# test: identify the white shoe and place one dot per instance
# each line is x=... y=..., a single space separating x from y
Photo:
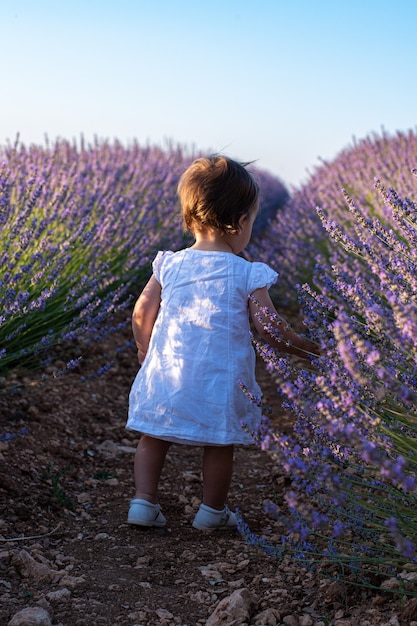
x=144 y=513
x=208 y=518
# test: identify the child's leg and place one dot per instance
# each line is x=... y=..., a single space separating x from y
x=217 y=474
x=149 y=461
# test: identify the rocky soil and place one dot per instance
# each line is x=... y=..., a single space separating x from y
x=68 y=557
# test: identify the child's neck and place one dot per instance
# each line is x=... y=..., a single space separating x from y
x=212 y=241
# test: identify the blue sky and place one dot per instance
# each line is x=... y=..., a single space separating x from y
x=286 y=83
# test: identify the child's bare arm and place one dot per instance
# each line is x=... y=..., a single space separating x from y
x=144 y=315
x=291 y=342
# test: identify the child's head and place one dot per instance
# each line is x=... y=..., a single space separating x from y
x=215 y=192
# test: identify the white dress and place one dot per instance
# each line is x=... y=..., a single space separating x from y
x=188 y=387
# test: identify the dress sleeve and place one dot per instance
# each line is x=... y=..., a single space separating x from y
x=158 y=261
x=261 y=275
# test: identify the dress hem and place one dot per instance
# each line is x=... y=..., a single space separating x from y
x=192 y=442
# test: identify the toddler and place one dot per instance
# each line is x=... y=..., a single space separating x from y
x=192 y=331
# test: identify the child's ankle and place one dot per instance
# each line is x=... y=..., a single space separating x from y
x=147 y=497
x=213 y=508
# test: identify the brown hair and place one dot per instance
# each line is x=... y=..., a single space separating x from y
x=215 y=192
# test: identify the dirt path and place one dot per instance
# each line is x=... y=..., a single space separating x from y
x=64 y=490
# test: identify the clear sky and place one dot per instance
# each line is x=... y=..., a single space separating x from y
x=286 y=82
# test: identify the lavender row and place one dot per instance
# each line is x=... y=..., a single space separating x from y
x=78 y=230
x=353 y=457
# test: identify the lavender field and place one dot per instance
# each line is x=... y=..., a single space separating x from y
x=79 y=227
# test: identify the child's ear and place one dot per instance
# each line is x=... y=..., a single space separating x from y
x=242 y=220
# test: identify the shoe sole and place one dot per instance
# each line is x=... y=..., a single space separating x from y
x=146 y=524
x=213 y=528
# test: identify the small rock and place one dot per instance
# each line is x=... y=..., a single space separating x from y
x=141 y=617
x=71 y=581
x=390 y=583
x=111 y=449
x=61 y=595
x=209 y=572
x=409 y=612
x=31 y=569
x=202 y=597
x=84 y=497
x=269 y=617
x=335 y=592
x=164 y=614
x=233 y=610
x=32 y=616
x=101 y=536
x=411 y=577
x=191 y=477
x=143 y=561
x=188 y=555
x=236 y=583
